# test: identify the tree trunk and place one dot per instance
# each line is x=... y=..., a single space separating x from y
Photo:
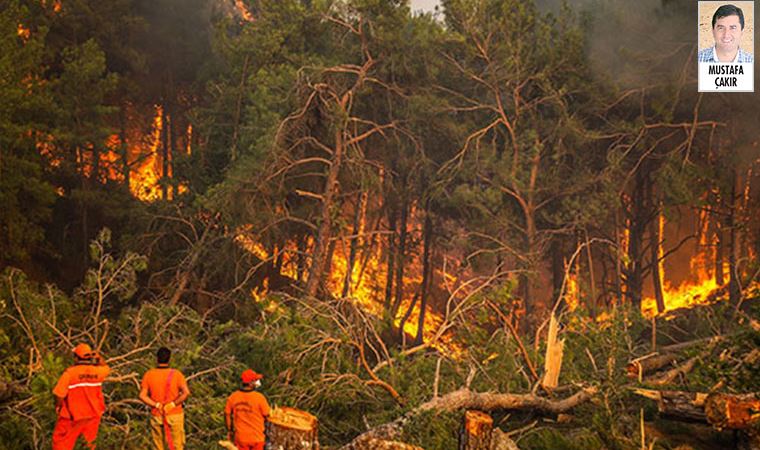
x=360 y=201
x=95 y=173
x=279 y=260
x=401 y=258
x=591 y=279
x=558 y=267
x=164 y=153
x=170 y=132
x=719 y=245
x=427 y=274
x=290 y=428
x=656 y=252
x=476 y=432
x=618 y=258
x=733 y=281
x=649 y=364
x=405 y=318
x=123 y=148
x=390 y=265
x=316 y=271
x=85 y=185
x=329 y=258
x=635 y=271
x=238 y=109
x=302 y=245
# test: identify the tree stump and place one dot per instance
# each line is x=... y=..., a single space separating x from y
x=291 y=429
x=380 y=444
x=477 y=430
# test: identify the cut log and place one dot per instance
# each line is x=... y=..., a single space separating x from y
x=476 y=431
x=679 y=404
x=735 y=412
x=290 y=428
x=669 y=376
x=489 y=401
x=650 y=363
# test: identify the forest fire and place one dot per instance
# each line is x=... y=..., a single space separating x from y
x=143 y=157
x=366 y=286
x=686 y=295
x=701 y=287
x=144 y=184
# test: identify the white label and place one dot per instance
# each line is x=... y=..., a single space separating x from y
x=726 y=77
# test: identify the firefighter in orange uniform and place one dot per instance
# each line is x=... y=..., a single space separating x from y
x=245 y=413
x=165 y=389
x=79 y=399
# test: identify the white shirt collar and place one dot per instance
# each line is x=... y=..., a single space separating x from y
x=715 y=55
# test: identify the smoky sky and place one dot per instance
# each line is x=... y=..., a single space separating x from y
x=648 y=43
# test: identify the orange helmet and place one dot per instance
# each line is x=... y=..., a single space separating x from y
x=83 y=351
x=249 y=376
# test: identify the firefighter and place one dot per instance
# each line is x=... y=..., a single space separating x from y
x=165 y=389
x=79 y=401
x=245 y=413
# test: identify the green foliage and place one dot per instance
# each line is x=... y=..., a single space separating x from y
x=433 y=430
x=25 y=195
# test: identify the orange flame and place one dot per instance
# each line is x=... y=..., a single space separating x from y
x=23 y=32
x=701 y=288
x=245 y=13
x=572 y=293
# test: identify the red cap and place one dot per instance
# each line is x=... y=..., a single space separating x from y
x=249 y=376
x=83 y=351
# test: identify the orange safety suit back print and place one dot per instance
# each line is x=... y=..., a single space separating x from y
x=81 y=387
x=248 y=409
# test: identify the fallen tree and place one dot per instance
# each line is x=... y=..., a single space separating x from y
x=739 y=412
x=464 y=398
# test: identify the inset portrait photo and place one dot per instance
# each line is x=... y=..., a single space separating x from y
x=726 y=46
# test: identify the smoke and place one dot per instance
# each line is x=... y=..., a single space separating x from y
x=637 y=43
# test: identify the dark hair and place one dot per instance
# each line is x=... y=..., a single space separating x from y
x=163 y=354
x=728 y=10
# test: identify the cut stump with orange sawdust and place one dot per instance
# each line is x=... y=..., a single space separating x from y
x=290 y=428
x=476 y=431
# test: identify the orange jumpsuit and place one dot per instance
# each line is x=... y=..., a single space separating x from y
x=80 y=387
x=248 y=410
x=154 y=381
